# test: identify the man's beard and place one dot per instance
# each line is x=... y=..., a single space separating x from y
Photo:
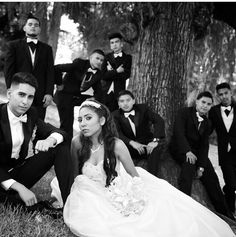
x=32 y=35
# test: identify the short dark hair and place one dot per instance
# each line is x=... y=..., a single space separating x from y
x=205 y=94
x=99 y=51
x=223 y=85
x=115 y=35
x=31 y=16
x=125 y=92
x=24 y=78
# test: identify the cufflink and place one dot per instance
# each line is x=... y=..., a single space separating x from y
x=155 y=139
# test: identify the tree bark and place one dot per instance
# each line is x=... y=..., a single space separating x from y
x=41 y=13
x=160 y=62
x=55 y=26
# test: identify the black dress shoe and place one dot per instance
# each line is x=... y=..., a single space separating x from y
x=49 y=209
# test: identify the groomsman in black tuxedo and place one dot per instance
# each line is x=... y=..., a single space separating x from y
x=117 y=70
x=81 y=81
x=223 y=118
x=29 y=147
x=189 y=146
x=31 y=55
x=134 y=123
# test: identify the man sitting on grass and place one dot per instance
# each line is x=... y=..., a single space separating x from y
x=29 y=147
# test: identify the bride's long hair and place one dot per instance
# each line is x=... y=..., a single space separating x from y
x=107 y=137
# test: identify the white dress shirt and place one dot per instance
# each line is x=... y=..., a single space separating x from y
x=32 y=54
x=17 y=140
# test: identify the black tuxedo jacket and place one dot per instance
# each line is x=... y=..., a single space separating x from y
x=42 y=132
x=75 y=73
x=223 y=137
x=187 y=137
x=119 y=79
x=144 y=118
x=18 y=59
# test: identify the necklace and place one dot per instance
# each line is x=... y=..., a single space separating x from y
x=95 y=150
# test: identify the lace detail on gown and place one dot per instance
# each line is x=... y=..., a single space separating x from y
x=95 y=172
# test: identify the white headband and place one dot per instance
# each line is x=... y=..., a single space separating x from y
x=90 y=103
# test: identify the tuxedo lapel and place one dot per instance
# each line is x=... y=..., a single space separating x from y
x=39 y=49
x=234 y=119
x=26 y=51
x=27 y=129
x=127 y=125
x=37 y=52
x=219 y=116
x=194 y=118
x=6 y=129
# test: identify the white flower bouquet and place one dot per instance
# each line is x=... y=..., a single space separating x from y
x=128 y=199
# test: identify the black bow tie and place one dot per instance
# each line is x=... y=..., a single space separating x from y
x=32 y=46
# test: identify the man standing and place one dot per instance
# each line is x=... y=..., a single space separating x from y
x=31 y=55
x=134 y=123
x=82 y=81
x=223 y=118
x=189 y=146
x=29 y=147
x=117 y=70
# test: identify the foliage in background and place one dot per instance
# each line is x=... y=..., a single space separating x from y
x=213 y=59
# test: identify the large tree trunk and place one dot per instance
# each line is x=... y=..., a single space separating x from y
x=160 y=63
x=41 y=13
x=55 y=26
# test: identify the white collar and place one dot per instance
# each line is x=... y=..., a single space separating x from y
x=120 y=54
x=132 y=112
x=14 y=119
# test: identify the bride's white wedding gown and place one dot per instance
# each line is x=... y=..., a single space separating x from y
x=156 y=210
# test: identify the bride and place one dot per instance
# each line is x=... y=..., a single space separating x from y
x=112 y=198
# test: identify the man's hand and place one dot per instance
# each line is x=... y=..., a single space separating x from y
x=200 y=171
x=109 y=67
x=44 y=145
x=47 y=99
x=120 y=69
x=138 y=146
x=26 y=195
x=150 y=146
x=191 y=158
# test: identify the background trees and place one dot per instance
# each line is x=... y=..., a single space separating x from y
x=178 y=48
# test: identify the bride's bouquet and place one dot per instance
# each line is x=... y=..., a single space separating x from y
x=128 y=199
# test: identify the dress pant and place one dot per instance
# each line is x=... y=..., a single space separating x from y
x=229 y=175
x=34 y=168
x=209 y=179
x=153 y=159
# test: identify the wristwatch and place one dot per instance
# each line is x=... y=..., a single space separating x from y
x=201 y=169
x=155 y=139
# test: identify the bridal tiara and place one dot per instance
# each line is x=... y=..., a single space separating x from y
x=90 y=103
